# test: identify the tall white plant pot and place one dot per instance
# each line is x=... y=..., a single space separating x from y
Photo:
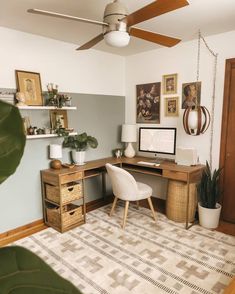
x=78 y=157
x=208 y=217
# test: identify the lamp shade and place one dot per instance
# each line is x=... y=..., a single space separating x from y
x=129 y=133
x=117 y=38
x=55 y=151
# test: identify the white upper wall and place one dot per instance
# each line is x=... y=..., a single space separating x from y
x=89 y=71
x=149 y=67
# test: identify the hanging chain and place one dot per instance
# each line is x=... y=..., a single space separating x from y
x=200 y=37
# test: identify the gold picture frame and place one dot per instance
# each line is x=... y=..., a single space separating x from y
x=29 y=83
x=170 y=84
x=59 y=119
x=172 y=106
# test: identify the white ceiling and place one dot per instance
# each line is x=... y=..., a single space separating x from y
x=211 y=16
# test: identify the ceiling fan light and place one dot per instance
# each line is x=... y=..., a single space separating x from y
x=117 y=38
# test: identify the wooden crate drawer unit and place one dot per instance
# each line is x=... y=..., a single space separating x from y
x=68 y=193
x=71 y=177
x=175 y=175
x=71 y=215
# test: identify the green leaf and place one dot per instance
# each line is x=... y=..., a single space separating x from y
x=12 y=139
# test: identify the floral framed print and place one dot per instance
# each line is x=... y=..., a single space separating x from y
x=148 y=103
x=172 y=106
x=29 y=83
x=170 y=84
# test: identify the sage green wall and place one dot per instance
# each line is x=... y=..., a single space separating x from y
x=98 y=115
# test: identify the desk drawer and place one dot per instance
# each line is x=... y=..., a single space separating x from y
x=71 y=177
x=175 y=175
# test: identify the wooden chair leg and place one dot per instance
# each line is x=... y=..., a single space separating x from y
x=138 y=204
x=125 y=214
x=152 y=209
x=113 y=206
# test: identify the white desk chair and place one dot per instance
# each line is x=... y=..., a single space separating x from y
x=126 y=188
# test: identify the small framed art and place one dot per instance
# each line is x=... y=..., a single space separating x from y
x=191 y=94
x=29 y=83
x=172 y=106
x=169 y=84
x=59 y=119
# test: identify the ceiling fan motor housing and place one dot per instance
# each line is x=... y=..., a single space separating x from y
x=112 y=14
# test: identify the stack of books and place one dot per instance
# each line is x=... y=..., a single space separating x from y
x=7 y=97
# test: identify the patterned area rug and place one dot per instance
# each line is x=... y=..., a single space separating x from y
x=146 y=258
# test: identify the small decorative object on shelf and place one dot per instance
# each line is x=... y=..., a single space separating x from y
x=56 y=99
x=20 y=97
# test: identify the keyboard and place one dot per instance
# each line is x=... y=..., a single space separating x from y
x=148 y=163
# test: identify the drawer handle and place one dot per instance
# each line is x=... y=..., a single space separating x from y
x=71 y=189
x=71 y=213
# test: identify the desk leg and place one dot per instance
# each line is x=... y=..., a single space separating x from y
x=104 y=184
x=187 y=206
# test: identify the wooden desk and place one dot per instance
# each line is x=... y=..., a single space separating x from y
x=167 y=169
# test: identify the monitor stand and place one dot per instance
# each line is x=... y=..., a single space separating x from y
x=158 y=160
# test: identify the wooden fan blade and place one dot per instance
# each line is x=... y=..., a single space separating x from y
x=65 y=16
x=152 y=10
x=153 y=37
x=91 y=43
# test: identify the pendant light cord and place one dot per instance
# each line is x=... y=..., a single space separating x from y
x=215 y=55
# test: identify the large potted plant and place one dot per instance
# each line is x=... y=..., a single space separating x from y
x=79 y=144
x=208 y=193
x=12 y=139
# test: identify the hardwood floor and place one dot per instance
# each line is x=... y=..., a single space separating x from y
x=160 y=205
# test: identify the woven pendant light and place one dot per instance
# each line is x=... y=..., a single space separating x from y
x=196 y=119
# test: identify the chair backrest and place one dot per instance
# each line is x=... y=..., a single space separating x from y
x=123 y=183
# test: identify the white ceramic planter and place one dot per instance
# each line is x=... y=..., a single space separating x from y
x=208 y=217
x=78 y=157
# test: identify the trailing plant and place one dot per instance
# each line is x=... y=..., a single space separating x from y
x=12 y=139
x=80 y=142
x=208 y=189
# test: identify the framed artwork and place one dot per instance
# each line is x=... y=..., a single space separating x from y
x=29 y=83
x=148 y=103
x=170 y=84
x=172 y=106
x=191 y=94
x=58 y=119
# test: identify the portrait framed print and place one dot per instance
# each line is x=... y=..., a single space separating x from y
x=172 y=106
x=148 y=103
x=59 y=119
x=29 y=83
x=169 y=84
x=191 y=94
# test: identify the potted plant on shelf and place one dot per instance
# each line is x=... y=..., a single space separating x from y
x=79 y=144
x=208 y=193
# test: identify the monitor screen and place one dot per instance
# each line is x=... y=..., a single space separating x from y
x=157 y=140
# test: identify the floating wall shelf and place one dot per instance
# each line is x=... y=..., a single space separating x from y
x=43 y=136
x=46 y=107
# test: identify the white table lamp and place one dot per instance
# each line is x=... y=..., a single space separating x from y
x=55 y=154
x=129 y=136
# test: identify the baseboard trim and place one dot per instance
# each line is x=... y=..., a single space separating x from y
x=21 y=232
x=39 y=225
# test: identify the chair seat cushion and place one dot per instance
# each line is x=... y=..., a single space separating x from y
x=144 y=191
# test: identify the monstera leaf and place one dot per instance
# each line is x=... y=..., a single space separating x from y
x=12 y=139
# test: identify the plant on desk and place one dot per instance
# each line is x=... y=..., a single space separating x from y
x=79 y=144
x=208 y=193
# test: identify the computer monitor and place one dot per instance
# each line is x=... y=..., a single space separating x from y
x=157 y=140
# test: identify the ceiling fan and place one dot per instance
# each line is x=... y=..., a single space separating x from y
x=118 y=25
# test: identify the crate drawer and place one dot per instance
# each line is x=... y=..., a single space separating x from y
x=71 y=215
x=71 y=177
x=175 y=175
x=68 y=192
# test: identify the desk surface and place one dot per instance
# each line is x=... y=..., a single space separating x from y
x=165 y=166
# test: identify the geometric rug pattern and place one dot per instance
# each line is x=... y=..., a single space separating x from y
x=146 y=258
